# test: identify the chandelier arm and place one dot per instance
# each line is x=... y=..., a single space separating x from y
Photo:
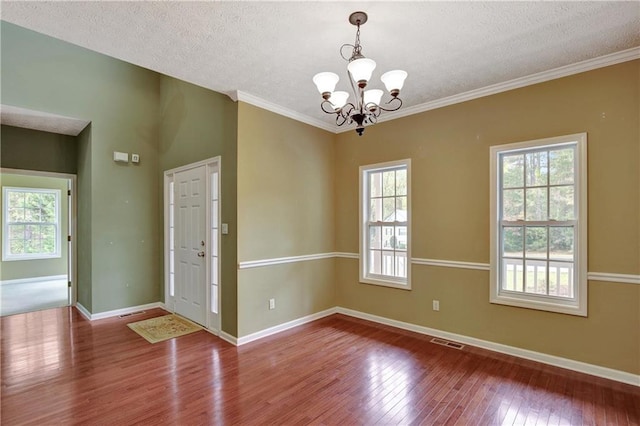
x=344 y=114
x=342 y=50
x=392 y=108
x=322 y=107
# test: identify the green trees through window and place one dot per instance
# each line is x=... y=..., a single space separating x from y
x=31 y=223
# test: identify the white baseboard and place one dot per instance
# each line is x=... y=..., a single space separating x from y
x=569 y=364
x=83 y=311
x=284 y=326
x=109 y=314
x=34 y=279
x=229 y=338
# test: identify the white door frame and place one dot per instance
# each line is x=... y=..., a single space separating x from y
x=213 y=321
x=72 y=269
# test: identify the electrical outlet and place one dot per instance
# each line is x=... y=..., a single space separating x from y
x=272 y=304
x=436 y=305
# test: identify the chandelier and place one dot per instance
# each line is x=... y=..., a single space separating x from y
x=367 y=105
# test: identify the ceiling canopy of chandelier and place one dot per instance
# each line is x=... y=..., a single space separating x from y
x=367 y=105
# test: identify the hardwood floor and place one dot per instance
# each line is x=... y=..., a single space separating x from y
x=58 y=368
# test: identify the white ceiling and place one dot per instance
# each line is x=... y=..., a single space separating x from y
x=269 y=51
x=37 y=120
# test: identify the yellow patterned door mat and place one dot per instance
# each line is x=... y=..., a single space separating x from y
x=167 y=327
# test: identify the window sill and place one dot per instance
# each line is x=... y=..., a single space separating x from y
x=386 y=283
x=548 y=306
x=34 y=257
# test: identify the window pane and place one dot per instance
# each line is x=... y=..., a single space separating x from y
x=375 y=214
x=512 y=275
x=536 y=242
x=375 y=184
x=375 y=237
x=214 y=299
x=401 y=264
x=389 y=209
x=561 y=164
x=561 y=279
x=214 y=186
x=16 y=199
x=401 y=182
x=512 y=241
x=512 y=171
x=16 y=214
x=387 y=237
x=387 y=263
x=561 y=243
x=536 y=277
x=513 y=204
x=537 y=168
x=389 y=183
x=375 y=262
x=48 y=233
x=214 y=242
x=16 y=246
x=536 y=204
x=400 y=238
x=561 y=204
x=16 y=232
x=214 y=212
x=401 y=209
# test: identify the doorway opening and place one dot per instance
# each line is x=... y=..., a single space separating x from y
x=38 y=241
x=192 y=205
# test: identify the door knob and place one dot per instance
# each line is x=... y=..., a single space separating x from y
x=201 y=254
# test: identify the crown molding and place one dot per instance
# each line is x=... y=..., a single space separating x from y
x=541 y=77
x=517 y=83
x=270 y=106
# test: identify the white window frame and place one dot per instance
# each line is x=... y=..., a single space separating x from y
x=365 y=277
x=573 y=306
x=6 y=255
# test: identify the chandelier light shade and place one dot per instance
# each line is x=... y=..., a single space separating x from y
x=339 y=99
x=366 y=107
x=326 y=82
x=361 y=70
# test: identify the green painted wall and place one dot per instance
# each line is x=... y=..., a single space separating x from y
x=18 y=269
x=122 y=102
x=197 y=124
x=449 y=149
x=28 y=149
x=83 y=206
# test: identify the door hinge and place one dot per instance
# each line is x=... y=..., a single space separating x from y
x=69 y=284
x=68 y=237
x=68 y=192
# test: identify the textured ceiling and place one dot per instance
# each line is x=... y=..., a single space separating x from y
x=271 y=50
x=28 y=119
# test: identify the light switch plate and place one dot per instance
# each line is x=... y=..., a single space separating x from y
x=135 y=158
x=225 y=228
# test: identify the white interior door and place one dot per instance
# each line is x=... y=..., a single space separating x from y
x=190 y=244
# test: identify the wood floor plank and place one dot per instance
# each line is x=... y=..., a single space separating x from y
x=59 y=368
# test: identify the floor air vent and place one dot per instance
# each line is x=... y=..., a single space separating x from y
x=447 y=343
x=132 y=313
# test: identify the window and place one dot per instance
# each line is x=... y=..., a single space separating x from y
x=31 y=223
x=539 y=224
x=385 y=231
